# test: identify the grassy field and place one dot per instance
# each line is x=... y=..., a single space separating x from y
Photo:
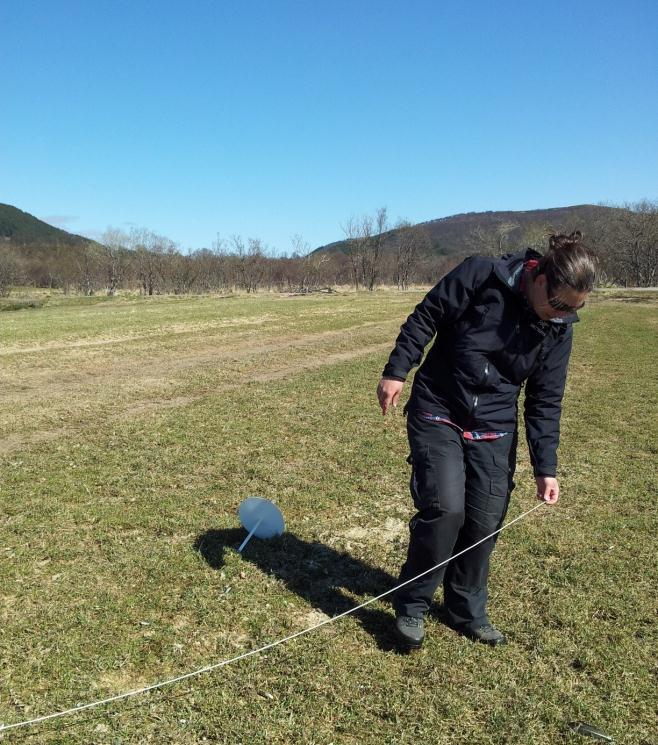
x=132 y=428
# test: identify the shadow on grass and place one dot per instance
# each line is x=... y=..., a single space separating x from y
x=315 y=572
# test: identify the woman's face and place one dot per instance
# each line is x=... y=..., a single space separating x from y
x=549 y=303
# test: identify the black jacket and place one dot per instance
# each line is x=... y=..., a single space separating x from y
x=488 y=343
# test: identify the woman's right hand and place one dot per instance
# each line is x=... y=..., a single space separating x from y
x=388 y=393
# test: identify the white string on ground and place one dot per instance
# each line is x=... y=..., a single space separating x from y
x=271 y=645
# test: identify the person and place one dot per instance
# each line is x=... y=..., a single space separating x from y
x=500 y=324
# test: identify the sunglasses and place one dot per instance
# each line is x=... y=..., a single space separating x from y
x=558 y=305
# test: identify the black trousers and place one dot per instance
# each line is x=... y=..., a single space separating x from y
x=461 y=489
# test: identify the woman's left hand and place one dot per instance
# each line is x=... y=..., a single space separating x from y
x=548 y=489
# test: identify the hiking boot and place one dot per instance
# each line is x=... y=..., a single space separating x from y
x=487 y=634
x=410 y=631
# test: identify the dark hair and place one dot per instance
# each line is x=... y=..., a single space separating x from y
x=568 y=262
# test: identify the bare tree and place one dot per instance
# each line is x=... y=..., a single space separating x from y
x=491 y=241
x=298 y=267
x=365 y=239
x=626 y=241
x=114 y=244
x=182 y=271
x=144 y=266
x=534 y=236
x=636 y=238
x=10 y=270
x=250 y=262
x=211 y=266
x=353 y=249
x=320 y=263
x=57 y=271
x=88 y=268
x=373 y=232
x=149 y=250
x=306 y=270
x=412 y=243
x=223 y=265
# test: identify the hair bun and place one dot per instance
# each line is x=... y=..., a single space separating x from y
x=568 y=262
x=561 y=241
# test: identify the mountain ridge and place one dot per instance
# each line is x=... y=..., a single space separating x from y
x=20 y=228
x=448 y=235
x=454 y=234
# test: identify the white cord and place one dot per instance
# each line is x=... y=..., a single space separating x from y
x=207 y=669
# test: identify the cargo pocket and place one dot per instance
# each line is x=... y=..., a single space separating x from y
x=501 y=482
x=500 y=487
x=423 y=484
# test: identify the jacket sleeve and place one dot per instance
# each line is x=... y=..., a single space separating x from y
x=442 y=305
x=543 y=406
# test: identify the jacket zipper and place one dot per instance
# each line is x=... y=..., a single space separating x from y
x=475 y=397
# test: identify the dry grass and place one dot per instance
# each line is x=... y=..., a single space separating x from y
x=118 y=564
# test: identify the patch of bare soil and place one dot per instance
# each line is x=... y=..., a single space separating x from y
x=392 y=528
x=16 y=442
x=118 y=681
x=312 y=618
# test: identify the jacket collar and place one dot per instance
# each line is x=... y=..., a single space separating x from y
x=509 y=269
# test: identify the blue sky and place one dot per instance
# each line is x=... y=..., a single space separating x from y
x=269 y=119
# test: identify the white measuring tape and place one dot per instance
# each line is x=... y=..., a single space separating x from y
x=244 y=655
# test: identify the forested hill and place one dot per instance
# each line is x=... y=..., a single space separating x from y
x=471 y=231
x=19 y=229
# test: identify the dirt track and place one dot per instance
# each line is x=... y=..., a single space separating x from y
x=48 y=391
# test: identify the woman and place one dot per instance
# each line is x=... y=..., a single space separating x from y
x=499 y=323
